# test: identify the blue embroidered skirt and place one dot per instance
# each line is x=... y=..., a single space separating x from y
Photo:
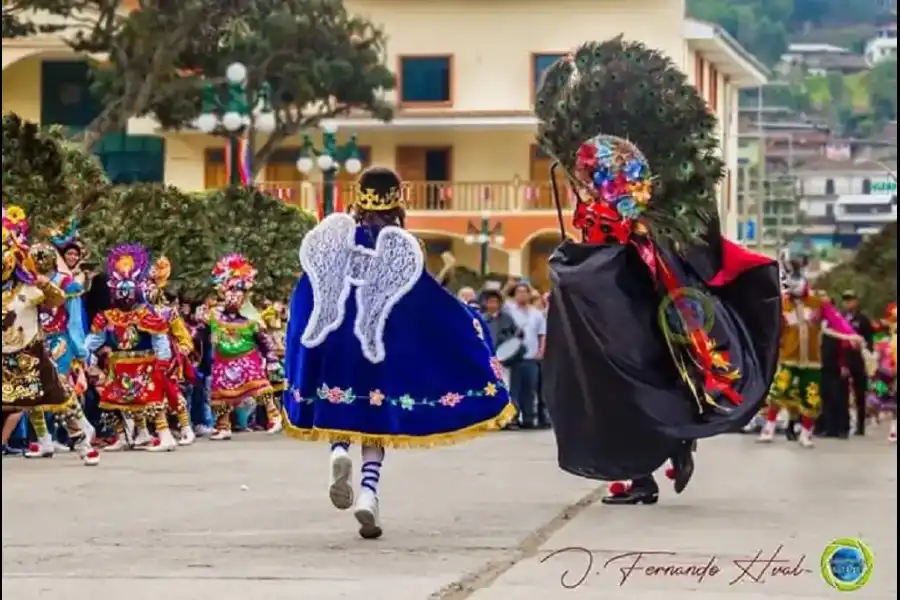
x=437 y=383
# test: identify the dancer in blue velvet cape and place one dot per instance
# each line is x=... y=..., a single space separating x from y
x=378 y=352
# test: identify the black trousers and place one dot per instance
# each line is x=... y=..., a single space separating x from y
x=859 y=385
x=835 y=417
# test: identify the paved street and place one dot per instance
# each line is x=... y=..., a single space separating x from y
x=249 y=519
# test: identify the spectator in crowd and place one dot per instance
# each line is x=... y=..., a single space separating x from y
x=525 y=374
x=467 y=295
x=501 y=325
x=858 y=379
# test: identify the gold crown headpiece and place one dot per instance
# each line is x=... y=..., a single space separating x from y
x=379 y=189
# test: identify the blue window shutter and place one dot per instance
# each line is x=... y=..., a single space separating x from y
x=425 y=79
x=133 y=158
x=541 y=63
x=65 y=94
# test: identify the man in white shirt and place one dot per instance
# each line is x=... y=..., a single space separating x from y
x=525 y=374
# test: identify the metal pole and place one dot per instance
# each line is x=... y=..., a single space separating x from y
x=234 y=176
x=485 y=243
x=761 y=170
x=328 y=175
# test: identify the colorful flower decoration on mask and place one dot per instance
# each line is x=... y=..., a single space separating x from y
x=16 y=257
x=15 y=220
x=233 y=272
x=619 y=185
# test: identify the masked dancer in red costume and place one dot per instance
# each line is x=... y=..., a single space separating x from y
x=137 y=355
x=660 y=331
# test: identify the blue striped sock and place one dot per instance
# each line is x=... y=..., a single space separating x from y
x=337 y=445
x=371 y=475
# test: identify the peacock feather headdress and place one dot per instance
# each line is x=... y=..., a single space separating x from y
x=161 y=271
x=633 y=137
x=66 y=236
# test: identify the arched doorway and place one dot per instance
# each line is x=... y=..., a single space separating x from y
x=538 y=250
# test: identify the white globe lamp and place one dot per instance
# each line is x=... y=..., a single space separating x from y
x=232 y=121
x=325 y=162
x=305 y=165
x=236 y=73
x=470 y=239
x=330 y=126
x=207 y=122
x=499 y=240
x=353 y=166
x=265 y=122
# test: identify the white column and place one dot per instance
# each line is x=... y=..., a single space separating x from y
x=515 y=262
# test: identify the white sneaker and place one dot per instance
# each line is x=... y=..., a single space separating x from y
x=366 y=513
x=89 y=456
x=275 y=427
x=143 y=439
x=202 y=430
x=340 y=490
x=120 y=444
x=220 y=435
x=892 y=436
x=767 y=434
x=186 y=437
x=806 y=438
x=60 y=448
x=164 y=443
x=43 y=448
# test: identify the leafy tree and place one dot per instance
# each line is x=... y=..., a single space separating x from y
x=195 y=230
x=163 y=57
x=16 y=21
x=883 y=89
x=871 y=272
x=46 y=175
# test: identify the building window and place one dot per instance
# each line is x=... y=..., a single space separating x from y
x=713 y=99
x=829 y=187
x=867 y=186
x=426 y=80
x=65 y=95
x=700 y=75
x=131 y=159
x=539 y=64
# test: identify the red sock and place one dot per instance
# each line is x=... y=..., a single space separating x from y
x=807 y=423
x=772 y=414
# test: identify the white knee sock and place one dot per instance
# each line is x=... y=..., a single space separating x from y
x=372 y=459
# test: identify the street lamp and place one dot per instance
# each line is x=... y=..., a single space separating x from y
x=329 y=161
x=235 y=114
x=484 y=235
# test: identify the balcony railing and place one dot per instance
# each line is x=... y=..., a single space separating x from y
x=440 y=196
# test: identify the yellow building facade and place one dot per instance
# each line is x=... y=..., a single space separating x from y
x=463 y=135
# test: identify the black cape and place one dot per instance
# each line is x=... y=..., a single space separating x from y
x=618 y=404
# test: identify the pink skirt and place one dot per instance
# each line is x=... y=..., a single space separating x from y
x=237 y=378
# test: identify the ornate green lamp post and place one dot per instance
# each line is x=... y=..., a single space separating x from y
x=484 y=235
x=233 y=116
x=329 y=159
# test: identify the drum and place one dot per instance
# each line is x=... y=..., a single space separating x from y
x=510 y=351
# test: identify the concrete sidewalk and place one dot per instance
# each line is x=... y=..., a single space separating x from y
x=250 y=519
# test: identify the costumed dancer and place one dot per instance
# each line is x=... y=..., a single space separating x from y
x=273 y=318
x=137 y=355
x=64 y=330
x=659 y=331
x=182 y=342
x=243 y=354
x=30 y=377
x=806 y=316
x=884 y=379
x=378 y=352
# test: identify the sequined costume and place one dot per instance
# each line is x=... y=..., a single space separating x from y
x=181 y=341
x=63 y=328
x=660 y=331
x=883 y=376
x=136 y=354
x=272 y=317
x=31 y=380
x=378 y=352
x=243 y=355
x=806 y=317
